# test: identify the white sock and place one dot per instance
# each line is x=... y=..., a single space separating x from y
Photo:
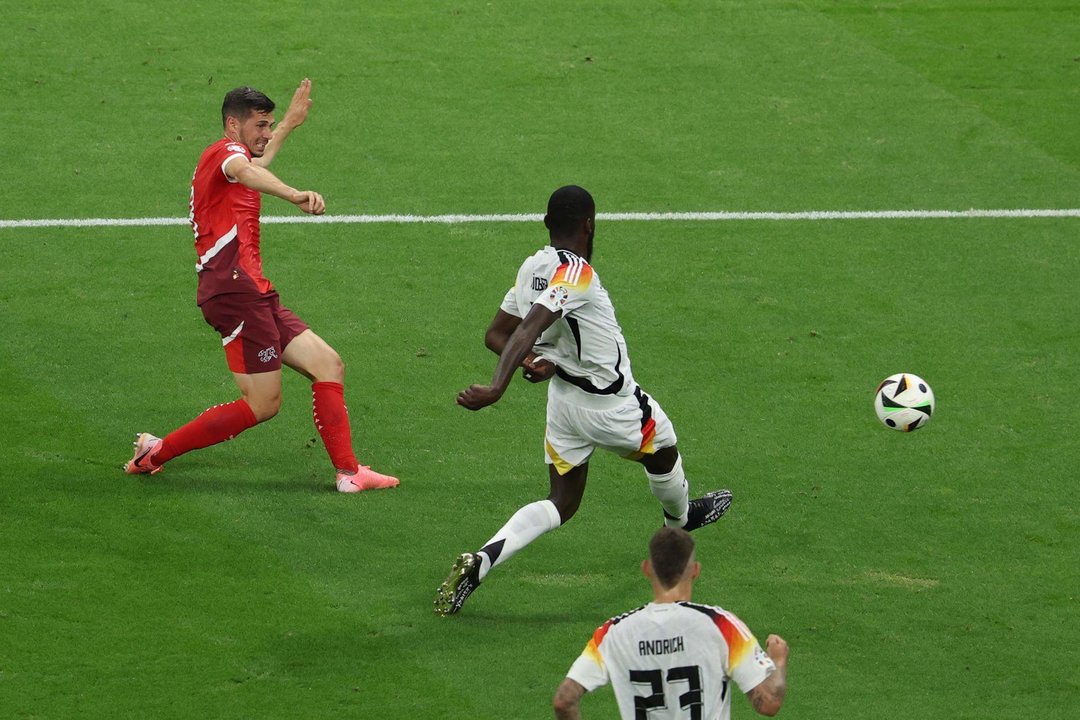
x=673 y=493
x=527 y=524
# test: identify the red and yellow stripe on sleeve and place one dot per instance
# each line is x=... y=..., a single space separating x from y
x=592 y=648
x=738 y=637
x=575 y=275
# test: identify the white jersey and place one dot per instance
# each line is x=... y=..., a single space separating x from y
x=671 y=661
x=586 y=343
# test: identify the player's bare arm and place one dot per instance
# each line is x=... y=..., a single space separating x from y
x=294 y=118
x=567 y=702
x=498 y=333
x=533 y=368
x=515 y=350
x=259 y=178
x=768 y=696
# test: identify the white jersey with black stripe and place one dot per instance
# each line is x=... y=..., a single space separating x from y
x=673 y=661
x=586 y=343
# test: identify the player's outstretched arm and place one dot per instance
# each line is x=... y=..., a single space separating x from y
x=516 y=349
x=567 y=702
x=259 y=178
x=768 y=696
x=294 y=118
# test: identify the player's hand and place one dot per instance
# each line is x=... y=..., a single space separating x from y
x=536 y=369
x=310 y=202
x=777 y=649
x=298 y=108
x=478 y=396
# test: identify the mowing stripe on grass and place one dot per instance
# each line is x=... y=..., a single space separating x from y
x=526 y=217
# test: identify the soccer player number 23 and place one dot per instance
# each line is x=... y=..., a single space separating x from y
x=689 y=700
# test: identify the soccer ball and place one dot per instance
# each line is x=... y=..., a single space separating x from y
x=904 y=402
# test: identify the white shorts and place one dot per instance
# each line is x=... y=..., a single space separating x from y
x=631 y=426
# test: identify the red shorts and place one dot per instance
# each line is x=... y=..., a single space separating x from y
x=255 y=329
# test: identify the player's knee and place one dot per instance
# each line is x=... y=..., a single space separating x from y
x=337 y=367
x=567 y=506
x=265 y=412
x=331 y=367
x=567 y=489
x=264 y=407
x=662 y=461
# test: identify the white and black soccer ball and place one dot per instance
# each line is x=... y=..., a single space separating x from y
x=904 y=402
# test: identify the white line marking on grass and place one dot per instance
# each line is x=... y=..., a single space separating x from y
x=616 y=216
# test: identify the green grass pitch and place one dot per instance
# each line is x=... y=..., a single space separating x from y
x=930 y=575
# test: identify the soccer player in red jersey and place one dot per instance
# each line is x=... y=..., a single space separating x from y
x=258 y=333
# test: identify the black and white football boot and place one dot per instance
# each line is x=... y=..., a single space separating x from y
x=463 y=579
x=707 y=509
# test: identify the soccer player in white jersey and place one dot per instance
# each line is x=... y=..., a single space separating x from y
x=557 y=323
x=674 y=659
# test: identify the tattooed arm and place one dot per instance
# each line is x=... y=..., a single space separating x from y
x=769 y=695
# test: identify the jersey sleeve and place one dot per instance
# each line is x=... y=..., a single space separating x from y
x=230 y=152
x=570 y=287
x=510 y=304
x=589 y=670
x=747 y=663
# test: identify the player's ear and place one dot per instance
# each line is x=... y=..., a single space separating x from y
x=646 y=568
x=695 y=570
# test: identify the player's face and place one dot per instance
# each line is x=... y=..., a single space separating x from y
x=255 y=131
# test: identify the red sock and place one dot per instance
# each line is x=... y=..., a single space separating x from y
x=216 y=424
x=332 y=422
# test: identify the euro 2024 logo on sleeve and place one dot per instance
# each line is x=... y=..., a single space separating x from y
x=761 y=658
x=558 y=295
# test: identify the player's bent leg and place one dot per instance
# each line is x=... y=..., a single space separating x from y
x=261 y=400
x=668 y=484
x=567 y=489
x=662 y=461
x=262 y=392
x=214 y=425
x=311 y=356
x=251 y=337
x=526 y=525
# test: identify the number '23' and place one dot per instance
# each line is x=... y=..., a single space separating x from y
x=689 y=700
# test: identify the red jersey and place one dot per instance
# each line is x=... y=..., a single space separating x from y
x=225 y=219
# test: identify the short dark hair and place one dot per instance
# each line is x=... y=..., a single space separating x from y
x=567 y=208
x=670 y=550
x=242 y=101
